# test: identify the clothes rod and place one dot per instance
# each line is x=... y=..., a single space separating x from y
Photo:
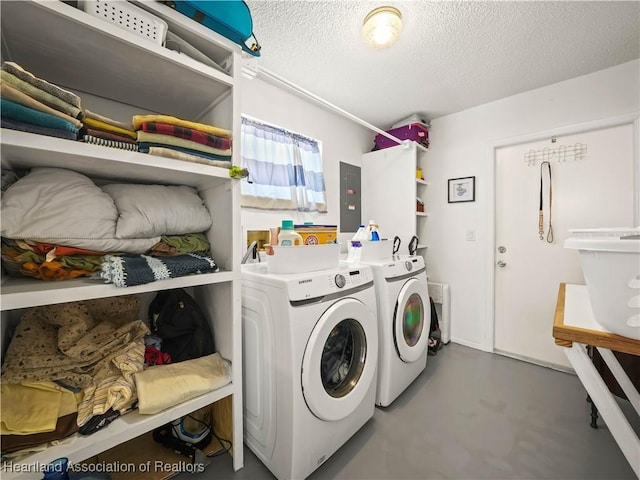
x=274 y=76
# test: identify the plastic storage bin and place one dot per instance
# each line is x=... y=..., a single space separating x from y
x=302 y=259
x=373 y=251
x=125 y=15
x=414 y=131
x=610 y=259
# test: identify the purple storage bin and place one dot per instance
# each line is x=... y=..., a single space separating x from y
x=414 y=131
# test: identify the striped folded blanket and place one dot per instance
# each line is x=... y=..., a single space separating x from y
x=223 y=143
x=131 y=270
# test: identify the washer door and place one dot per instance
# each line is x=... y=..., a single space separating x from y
x=411 y=321
x=340 y=359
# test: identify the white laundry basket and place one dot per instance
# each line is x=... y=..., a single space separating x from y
x=610 y=259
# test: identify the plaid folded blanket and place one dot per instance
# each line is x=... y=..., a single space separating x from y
x=223 y=143
x=131 y=270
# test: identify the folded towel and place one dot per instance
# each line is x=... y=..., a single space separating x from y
x=15 y=111
x=180 y=142
x=223 y=143
x=131 y=270
x=39 y=94
x=30 y=128
x=185 y=155
x=22 y=74
x=138 y=120
x=15 y=95
x=110 y=121
x=107 y=127
x=163 y=386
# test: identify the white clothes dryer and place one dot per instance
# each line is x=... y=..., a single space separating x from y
x=404 y=321
x=310 y=351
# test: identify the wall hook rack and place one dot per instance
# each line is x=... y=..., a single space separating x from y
x=559 y=154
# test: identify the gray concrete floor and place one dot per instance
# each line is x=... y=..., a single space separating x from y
x=471 y=415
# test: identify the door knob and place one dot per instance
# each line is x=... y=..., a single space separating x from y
x=501 y=264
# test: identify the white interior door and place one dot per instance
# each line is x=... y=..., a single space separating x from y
x=596 y=191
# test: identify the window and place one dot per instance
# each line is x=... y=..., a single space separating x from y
x=285 y=169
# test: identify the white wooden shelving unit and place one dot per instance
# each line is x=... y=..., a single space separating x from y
x=390 y=188
x=122 y=74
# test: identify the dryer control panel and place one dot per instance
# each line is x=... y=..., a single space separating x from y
x=319 y=284
x=403 y=266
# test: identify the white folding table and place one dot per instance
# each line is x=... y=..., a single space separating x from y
x=574 y=328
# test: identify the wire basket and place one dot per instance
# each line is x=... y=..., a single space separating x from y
x=125 y=15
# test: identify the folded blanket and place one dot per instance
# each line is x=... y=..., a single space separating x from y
x=15 y=111
x=22 y=74
x=180 y=142
x=138 y=120
x=15 y=95
x=36 y=442
x=108 y=135
x=185 y=154
x=104 y=142
x=41 y=95
x=107 y=127
x=31 y=128
x=128 y=271
x=72 y=342
x=110 y=121
x=223 y=143
x=163 y=386
x=33 y=407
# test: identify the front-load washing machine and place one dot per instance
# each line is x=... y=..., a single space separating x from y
x=310 y=351
x=404 y=320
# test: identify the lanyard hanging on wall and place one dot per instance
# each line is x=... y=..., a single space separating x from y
x=541 y=211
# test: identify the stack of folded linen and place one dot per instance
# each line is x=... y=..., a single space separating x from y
x=33 y=105
x=173 y=137
x=101 y=130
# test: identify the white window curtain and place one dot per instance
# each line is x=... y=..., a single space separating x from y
x=285 y=169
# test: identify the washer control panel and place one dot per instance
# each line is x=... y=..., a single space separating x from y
x=321 y=283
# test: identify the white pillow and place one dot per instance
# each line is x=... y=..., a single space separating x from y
x=151 y=210
x=54 y=203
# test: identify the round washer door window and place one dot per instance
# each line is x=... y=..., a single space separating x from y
x=411 y=321
x=340 y=360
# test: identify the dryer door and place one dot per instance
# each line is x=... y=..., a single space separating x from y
x=340 y=359
x=412 y=320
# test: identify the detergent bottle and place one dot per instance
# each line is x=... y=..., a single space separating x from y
x=373 y=231
x=288 y=237
x=361 y=235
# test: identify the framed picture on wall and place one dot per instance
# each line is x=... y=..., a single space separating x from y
x=462 y=189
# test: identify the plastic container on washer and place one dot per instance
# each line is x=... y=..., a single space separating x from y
x=288 y=237
x=361 y=235
x=610 y=259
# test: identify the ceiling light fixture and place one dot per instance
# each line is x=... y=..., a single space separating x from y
x=381 y=27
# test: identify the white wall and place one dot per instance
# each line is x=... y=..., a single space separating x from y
x=460 y=147
x=342 y=141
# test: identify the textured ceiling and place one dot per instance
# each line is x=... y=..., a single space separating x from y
x=451 y=55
